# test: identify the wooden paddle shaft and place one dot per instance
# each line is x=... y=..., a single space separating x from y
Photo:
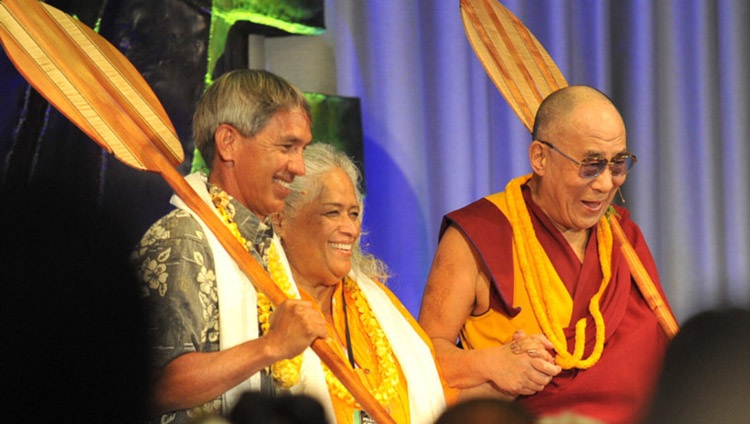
x=644 y=282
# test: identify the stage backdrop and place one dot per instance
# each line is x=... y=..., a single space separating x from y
x=438 y=134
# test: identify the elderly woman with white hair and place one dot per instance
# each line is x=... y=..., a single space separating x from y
x=317 y=257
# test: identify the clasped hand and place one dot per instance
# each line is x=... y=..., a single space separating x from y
x=525 y=365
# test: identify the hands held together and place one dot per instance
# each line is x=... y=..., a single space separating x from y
x=530 y=364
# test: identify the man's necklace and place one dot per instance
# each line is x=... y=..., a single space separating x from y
x=286 y=372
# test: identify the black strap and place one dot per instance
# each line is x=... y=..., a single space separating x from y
x=349 y=350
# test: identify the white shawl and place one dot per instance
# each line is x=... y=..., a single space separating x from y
x=238 y=313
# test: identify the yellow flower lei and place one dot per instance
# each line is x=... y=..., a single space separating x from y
x=286 y=371
x=389 y=376
x=541 y=276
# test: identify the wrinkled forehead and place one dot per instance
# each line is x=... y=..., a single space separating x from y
x=594 y=125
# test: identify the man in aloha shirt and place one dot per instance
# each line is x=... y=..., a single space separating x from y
x=250 y=127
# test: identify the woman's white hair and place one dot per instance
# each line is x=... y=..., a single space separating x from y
x=321 y=158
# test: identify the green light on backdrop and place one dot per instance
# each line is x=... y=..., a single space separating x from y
x=291 y=16
x=337 y=120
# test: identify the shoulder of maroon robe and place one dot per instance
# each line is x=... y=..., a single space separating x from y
x=491 y=235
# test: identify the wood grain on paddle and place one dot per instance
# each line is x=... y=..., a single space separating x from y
x=513 y=58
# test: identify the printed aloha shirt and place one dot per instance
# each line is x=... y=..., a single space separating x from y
x=175 y=268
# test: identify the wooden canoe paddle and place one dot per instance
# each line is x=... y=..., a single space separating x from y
x=525 y=74
x=90 y=82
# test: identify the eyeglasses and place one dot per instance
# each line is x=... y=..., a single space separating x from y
x=620 y=165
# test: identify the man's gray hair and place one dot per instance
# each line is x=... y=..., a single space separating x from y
x=245 y=99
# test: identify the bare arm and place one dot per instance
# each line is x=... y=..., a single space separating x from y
x=458 y=285
x=198 y=377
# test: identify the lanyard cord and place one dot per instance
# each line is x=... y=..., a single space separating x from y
x=349 y=350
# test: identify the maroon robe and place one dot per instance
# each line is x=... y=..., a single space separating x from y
x=618 y=387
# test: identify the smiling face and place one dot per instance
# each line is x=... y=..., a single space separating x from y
x=319 y=237
x=594 y=129
x=267 y=163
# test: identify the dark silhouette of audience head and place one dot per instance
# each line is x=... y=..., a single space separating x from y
x=485 y=410
x=256 y=408
x=706 y=372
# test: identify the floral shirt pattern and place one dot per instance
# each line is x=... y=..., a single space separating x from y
x=175 y=269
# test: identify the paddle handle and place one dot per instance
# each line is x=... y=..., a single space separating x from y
x=644 y=282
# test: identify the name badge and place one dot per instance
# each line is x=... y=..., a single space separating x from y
x=363 y=417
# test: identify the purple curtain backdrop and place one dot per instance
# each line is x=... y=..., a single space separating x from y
x=438 y=135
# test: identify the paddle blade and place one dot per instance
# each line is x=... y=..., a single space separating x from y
x=87 y=79
x=514 y=59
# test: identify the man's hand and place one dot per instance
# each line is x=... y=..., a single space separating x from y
x=293 y=326
x=524 y=366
